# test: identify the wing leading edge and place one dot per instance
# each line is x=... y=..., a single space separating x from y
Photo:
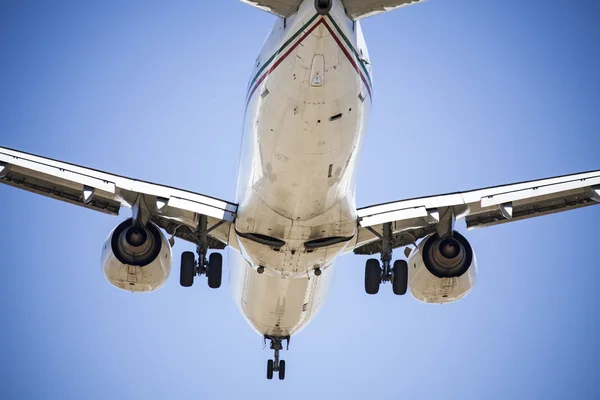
x=414 y=219
x=174 y=210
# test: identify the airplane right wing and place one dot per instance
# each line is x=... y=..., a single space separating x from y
x=414 y=219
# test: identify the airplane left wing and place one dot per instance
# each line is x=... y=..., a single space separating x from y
x=414 y=219
x=176 y=211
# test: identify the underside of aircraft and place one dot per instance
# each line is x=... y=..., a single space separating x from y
x=307 y=106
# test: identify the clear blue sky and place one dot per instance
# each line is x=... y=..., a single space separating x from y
x=467 y=94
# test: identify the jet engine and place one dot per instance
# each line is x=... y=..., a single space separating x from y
x=442 y=270
x=136 y=258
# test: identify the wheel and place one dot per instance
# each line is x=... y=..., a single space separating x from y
x=215 y=270
x=188 y=269
x=372 y=276
x=400 y=277
x=270 y=369
x=281 y=370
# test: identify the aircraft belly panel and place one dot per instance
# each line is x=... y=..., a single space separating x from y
x=275 y=306
x=308 y=136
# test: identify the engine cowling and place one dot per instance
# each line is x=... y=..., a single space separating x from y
x=442 y=270
x=136 y=258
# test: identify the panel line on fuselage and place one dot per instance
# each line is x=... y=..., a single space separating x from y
x=366 y=81
x=286 y=44
x=349 y=57
x=358 y=57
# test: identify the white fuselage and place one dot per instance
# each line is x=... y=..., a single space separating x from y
x=308 y=103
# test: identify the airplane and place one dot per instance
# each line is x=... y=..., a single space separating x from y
x=307 y=106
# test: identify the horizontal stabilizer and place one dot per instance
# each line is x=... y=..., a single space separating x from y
x=356 y=9
x=282 y=8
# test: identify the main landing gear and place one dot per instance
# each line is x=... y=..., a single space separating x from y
x=276 y=365
x=377 y=273
x=211 y=267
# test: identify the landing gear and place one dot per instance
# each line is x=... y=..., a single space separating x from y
x=377 y=273
x=188 y=269
x=214 y=270
x=211 y=267
x=400 y=277
x=372 y=276
x=276 y=365
x=281 y=370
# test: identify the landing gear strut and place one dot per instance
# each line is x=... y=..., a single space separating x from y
x=377 y=273
x=276 y=365
x=211 y=267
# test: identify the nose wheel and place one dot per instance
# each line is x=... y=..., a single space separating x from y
x=276 y=365
x=377 y=272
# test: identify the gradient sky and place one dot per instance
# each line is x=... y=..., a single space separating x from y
x=467 y=94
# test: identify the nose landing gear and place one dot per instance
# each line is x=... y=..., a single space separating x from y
x=276 y=365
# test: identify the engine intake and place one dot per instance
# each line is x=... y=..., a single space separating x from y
x=136 y=245
x=136 y=258
x=442 y=270
x=448 y=257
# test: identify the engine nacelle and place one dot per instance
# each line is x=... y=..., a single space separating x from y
x=442 y=270
x=136 y=259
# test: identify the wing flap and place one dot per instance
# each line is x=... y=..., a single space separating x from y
x=541 y=206
x=55 y=189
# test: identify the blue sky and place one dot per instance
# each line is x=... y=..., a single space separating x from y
x=467 y=94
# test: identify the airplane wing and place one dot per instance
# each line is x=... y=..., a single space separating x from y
x=175 y=210
x=356 y=9
x=414 y=219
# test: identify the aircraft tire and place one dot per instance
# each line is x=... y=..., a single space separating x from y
x=372 y=276
x=215 y=270
x=270 y=369
x=400 y=278
x=188 y=269
x=281 y=370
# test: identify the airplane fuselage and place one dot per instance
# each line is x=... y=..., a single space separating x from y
x=308 y=103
